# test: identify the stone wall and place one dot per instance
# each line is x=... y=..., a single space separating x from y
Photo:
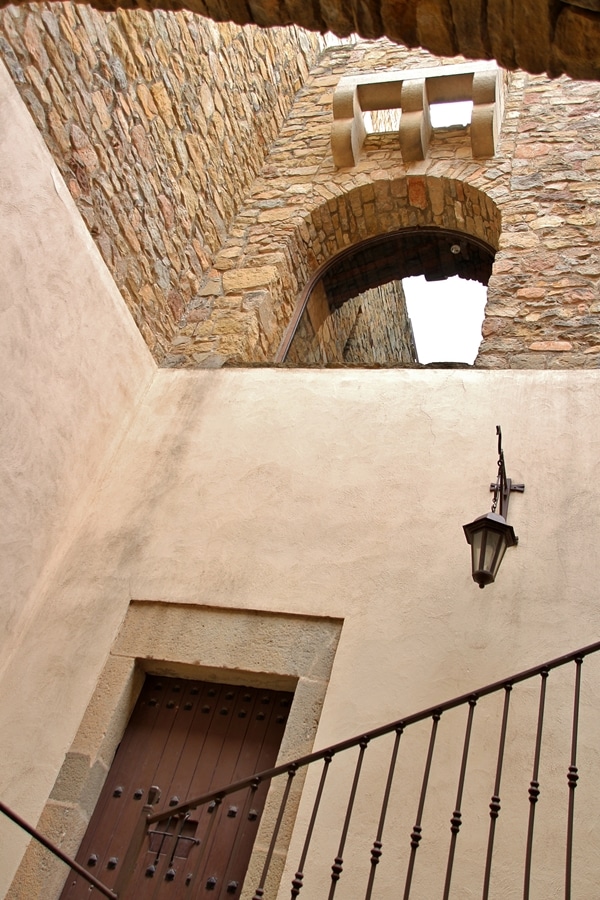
x=372 y=329
x=304 y=211
x=159 y=124
x=567 y=32
x=381 y=332
x=535 y=203
x=544 y=297
x=213 y=227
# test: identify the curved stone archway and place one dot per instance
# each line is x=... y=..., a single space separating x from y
x=353 y=310
x=383 y=207
x=254 y=297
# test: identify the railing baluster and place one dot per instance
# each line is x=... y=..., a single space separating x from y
x=534 y=786
x=572 y=778
x=338 y=864
x=377 y=850
x=421 y=716
x=132 y=861
x=248 y=804
x=298 y=880
x=456 y=820
x=495 y=801
x=260 y=890
x=160 y=864
x=415 y=837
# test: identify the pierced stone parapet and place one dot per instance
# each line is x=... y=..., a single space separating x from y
x=412 y=92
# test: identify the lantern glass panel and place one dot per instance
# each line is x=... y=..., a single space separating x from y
x=489 y=536
x=487 y=558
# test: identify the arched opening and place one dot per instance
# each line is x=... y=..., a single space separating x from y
x=353 y=311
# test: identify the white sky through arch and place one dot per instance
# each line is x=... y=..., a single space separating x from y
x=446 y=317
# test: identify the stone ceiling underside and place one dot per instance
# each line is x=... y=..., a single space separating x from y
x=405 y=255
x=552 y=36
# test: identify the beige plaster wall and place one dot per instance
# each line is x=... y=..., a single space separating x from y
x=73 y=367
x=329 y=493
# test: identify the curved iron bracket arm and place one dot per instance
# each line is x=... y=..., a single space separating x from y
x=503 y=486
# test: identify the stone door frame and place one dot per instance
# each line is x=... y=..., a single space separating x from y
x=262 y=649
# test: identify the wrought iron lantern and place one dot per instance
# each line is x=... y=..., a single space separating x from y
x=489 y=535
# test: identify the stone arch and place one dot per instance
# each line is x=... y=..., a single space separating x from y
x=385 y=207
x=382 y=207
x=263 y=274
x=353 y=309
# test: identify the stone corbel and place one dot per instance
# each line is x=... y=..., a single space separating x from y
x=415 y=123
x=348 y=130
x=486 y=118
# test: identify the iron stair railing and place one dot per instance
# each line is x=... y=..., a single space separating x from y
x=212 y=800
x=469 y=700
x=56 y=851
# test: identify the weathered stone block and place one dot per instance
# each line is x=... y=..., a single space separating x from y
x=553 y=346
x=245 y=279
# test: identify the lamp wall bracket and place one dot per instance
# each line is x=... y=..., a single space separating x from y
x=508 y=486
x=511 y=487
x=503 y=486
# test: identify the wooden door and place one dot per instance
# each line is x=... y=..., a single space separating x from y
x=186 y=737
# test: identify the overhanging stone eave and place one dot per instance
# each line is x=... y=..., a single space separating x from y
x=567 y=35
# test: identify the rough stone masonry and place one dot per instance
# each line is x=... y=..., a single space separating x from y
x=536 y=203
x=159 y=124
x=199 y=156
x=567 y=32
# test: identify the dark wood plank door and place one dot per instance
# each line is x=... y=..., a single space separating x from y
x=186 y=737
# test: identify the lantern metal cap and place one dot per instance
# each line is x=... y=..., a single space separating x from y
x=494 y=522
x=489 y=536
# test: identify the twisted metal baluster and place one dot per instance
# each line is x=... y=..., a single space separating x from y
x=572 y=778
x=298 y=880
x=338 y=864
x=456 y=820
x=260 y=890
x=534 y=786
x=377 y=844
x=495 y=801
x=415 y=837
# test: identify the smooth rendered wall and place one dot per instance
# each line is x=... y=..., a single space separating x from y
x=73 y=367
x=330 y=493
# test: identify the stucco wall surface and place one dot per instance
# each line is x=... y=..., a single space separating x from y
x=69 y=382
x=327 y=493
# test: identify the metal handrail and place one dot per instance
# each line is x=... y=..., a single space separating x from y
x=53 y=848
x=148 y=817
x=438 y=709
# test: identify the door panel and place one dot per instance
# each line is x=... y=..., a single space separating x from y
x=186 y=737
